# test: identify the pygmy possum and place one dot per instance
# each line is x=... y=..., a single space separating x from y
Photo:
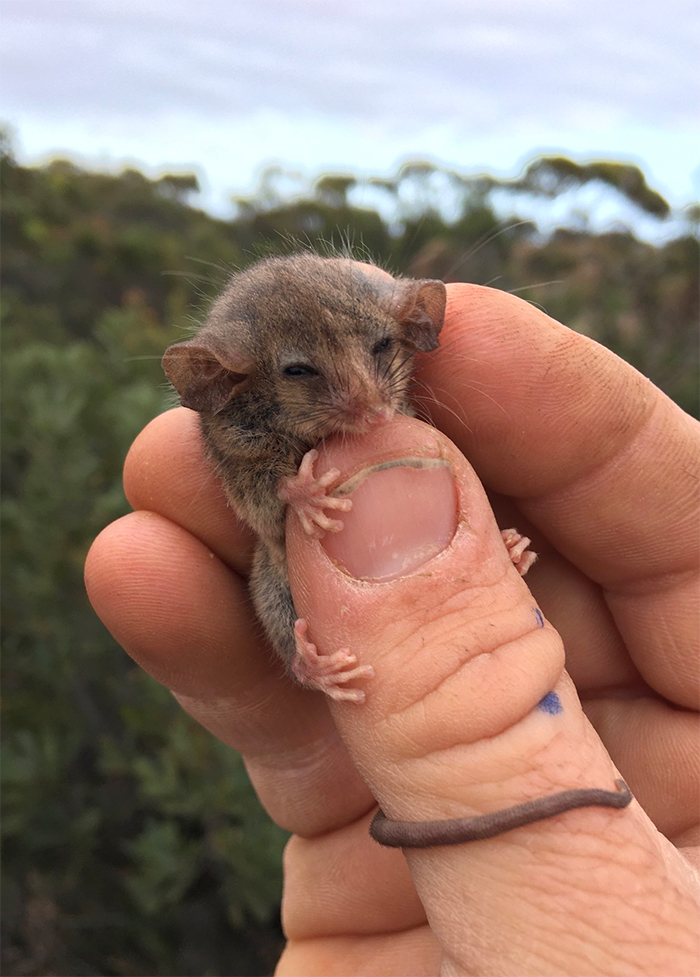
x=294 y=349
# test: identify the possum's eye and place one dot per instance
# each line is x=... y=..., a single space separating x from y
x=382 y=345
x=295 y=370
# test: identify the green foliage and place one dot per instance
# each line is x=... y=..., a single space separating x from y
x=133 y=842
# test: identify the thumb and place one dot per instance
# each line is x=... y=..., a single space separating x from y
x=469 y=712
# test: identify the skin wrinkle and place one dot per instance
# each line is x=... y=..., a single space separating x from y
x=668 y=811
x=340 y=932
x=403 y=715
x=539 y=785
x=323 y=879
x=341 y=949
x=588 y=938
x=637 y=935
x=654 y=584
x=672 y=645
x=219 y=722
x=546 y=875
x=362 y=817
x=566 y=485
x=552 y=918
x=662 y=656
x=666 y=804
x=581 y=358
x=452 y=807
x=665 y=604
x=587 y=934
x=605 y=692
x=443 y=755
x=583 y=361
x=547 y=503
x=407 y=658
x=304 y=757
x=593 y=869
x=577 y=609
x=645 y=883
x=304 y=812
x=250 y=702
x=398 y=717
x=463 y=637
x=252 y=699
x=230 y=539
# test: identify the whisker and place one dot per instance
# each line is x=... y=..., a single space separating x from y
x=482 y=243
x=472 y=385
x=524 y=288
x=202 y=261
x=136 y=359
x=434 y=399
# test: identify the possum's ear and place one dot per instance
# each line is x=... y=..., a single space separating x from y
x=420 y=308
x=205 y=383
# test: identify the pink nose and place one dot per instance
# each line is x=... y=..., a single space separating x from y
x=379 y=417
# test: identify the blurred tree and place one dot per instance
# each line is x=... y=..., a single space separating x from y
x=553 y=175
x=332 y=191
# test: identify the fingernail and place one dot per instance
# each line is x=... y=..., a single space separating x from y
x=401 y=518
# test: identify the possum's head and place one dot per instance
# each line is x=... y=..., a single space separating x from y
x=327 y=344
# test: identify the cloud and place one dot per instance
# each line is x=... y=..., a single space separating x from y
x=399 y=64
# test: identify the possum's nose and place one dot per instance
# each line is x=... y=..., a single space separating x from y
x=367 y=418
x=379 y=417
x=361 y=406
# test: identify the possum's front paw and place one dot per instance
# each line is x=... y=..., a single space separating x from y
x=308 y=497
x=517 y=547
x=327 y=673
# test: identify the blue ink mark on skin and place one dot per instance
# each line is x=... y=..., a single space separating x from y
x=538 y=617
x=551 y=704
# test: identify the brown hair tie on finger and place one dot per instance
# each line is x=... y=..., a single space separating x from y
x=427 y=834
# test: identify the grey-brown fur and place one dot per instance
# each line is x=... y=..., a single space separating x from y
x=327 y=314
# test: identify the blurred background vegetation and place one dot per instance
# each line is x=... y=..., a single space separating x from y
x=133 y=843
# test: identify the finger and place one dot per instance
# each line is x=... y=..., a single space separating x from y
x=343 y=883
x=451 y=726
x=350 y=904
x=166 y=471
x=185 y=617
x=658 y=748
x=597 y=457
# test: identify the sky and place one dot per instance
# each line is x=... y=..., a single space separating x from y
x=224 y=87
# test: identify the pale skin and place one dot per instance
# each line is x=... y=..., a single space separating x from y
x=601 y=471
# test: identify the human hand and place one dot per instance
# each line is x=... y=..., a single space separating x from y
x=597 y=466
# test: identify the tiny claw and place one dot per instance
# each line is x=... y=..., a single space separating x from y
x=525 y=562
x=325 y=522
x=333 y=502
x=308 y=460
x=328 y=478
x=517 y=546
x=362 y=671
x=347 y=695
x=327 y=672
x=310 y=526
